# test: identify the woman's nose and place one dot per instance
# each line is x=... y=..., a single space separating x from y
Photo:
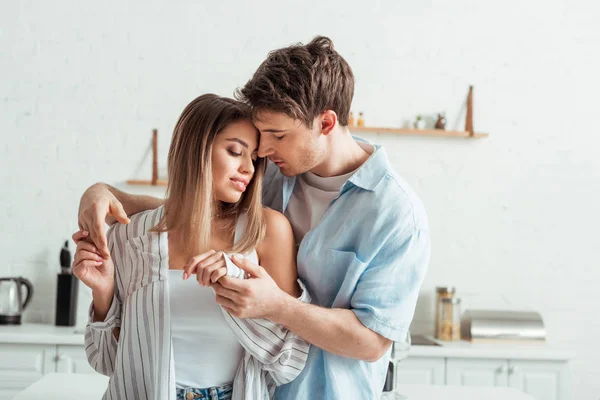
x=247 y=166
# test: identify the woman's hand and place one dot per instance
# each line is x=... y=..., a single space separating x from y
x=95 y=205
x=90 y=267
x=209 y=267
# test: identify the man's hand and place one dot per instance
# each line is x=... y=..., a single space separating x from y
x=95 y=205
x=255 y=297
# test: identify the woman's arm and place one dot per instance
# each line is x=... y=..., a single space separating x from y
x=104 y=323
x=277 y=252
x=102 y=203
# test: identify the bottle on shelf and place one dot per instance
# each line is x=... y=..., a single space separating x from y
x=361 y=119
x=351 y=119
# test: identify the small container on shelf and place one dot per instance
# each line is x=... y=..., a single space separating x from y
x=442 y=292
x=351 y=119
x=441 y=121
x=419 y=122
x=361 y=119
x=449 y=324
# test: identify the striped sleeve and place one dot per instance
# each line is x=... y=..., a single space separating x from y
x=100 y=343
x=277 y=351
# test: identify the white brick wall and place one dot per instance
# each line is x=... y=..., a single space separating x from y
x=514 y=217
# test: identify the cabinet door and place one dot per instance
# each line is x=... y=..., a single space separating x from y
x=21 y=365
x=476 y=372
x=544 y=380
x=72 y=359
x=420 y=370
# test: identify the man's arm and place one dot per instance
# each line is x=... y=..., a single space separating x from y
x=102 y=203
x=377 y=316
x=335 y=330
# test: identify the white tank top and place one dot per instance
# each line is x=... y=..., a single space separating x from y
x=205 y=350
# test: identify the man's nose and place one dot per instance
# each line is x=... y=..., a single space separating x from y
x=265 y=148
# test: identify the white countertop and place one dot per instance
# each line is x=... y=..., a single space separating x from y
x=41 y=334
x=50 y=334
x=58 y=386
x=465 y=349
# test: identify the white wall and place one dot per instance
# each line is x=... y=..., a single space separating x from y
x=514 y=217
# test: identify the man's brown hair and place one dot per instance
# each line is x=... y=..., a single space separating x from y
x=302 y=81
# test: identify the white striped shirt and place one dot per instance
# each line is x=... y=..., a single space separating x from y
x=140 y=364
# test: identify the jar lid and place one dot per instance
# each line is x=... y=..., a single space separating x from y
x=446 y=289
x=451 y=300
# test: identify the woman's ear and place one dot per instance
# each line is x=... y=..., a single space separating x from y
x=328 y=121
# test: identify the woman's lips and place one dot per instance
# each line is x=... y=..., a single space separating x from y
x=239 y=184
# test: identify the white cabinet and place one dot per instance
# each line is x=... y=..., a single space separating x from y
x=545 y=380
x=476 y=372
x=21 y=365
x=72 y=359
x=542 y=379
x=422 y=371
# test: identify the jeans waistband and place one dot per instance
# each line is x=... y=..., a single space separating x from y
x=222 y=392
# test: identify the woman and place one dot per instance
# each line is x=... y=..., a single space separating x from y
x=155 y=332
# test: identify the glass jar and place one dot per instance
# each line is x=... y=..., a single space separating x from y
x=442 y=292
x=449 y=324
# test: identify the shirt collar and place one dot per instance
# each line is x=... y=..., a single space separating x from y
x=367 y=177
x=370 y=174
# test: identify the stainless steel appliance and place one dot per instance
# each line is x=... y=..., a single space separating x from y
x=499 y=325
x=12 y=303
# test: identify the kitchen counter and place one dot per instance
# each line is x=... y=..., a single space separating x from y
x=58 y=386
x=41 y=334
x=465 y=349
x=50 y=334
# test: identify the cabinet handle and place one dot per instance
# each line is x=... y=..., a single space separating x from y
x=501 y=369
x=59 y=357
x=513 y=370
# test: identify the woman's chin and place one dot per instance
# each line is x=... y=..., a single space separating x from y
x=231 y=198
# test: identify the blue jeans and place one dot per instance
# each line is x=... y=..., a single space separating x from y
x=214 y=393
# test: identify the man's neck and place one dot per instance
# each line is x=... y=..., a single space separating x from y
x=344 y=155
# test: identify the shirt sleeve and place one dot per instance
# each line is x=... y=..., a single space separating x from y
x=233 y=270
x=276 y=350
x=386 y=293
x=100 y=343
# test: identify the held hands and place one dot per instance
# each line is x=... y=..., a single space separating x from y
x=255 y=297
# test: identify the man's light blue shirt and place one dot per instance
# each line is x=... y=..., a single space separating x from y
x=369 y=254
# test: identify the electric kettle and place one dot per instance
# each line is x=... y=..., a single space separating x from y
x=11 y=299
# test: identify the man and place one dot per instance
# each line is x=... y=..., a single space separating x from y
x=362 y=234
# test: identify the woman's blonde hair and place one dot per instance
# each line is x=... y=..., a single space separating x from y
x=190 y=204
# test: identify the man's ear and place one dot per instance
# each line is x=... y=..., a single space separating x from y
x=328 y=121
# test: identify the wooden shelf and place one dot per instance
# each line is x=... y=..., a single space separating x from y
x=147 y=183
x=419 y=132
x=468 y=133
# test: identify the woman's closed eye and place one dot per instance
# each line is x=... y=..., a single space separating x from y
x=233 y=153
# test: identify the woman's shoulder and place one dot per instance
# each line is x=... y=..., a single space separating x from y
x=277 y=229
x=139 y=225
x=275 y=221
